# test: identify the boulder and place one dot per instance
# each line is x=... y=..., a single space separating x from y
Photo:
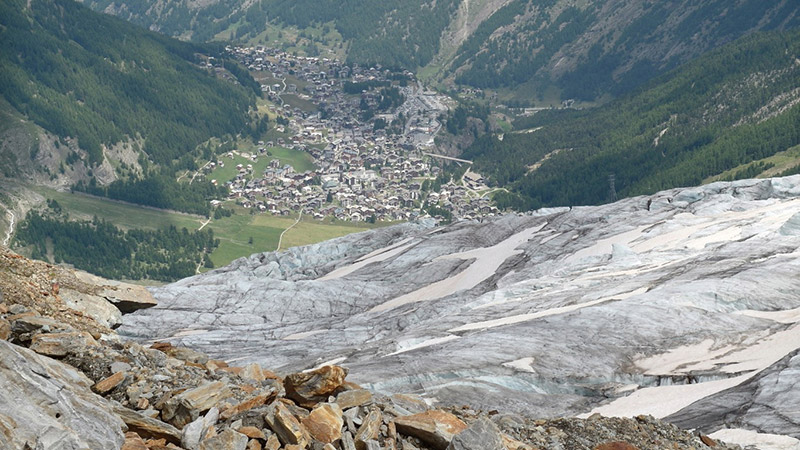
x=253 y=433
x=369 y=429
x=188 y=405
x=27 y=324
x=62 y=344
x=356 y=397
x=47 y=404
x=227 y=440
x=273 y=443
x=309 y=388
x=483 y=434
x=147 y=427
x=435 y=428
x=347 y=441
x=126 y=297
x=252 y=402
x=325 y=423
x=410 y=403
x=193 y=433
x=93 y=306
x=286 y=425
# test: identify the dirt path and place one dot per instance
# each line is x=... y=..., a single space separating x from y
x=198 y=172
x=280 y=239
x=204 y=224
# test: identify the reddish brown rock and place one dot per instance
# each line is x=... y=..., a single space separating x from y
x=708 y=441
x=161 y=346
x=188 y=405
x=253 y=445
x=286 y=426
x=107 y=384
x=133 y=442
x=436 y=428
x=233 y=370
x=307 y=389
x=250 y=403
x=618 y=445
x=252 y=432
x=325 y=423
x=61 y=344
x=273 y=443
x=356 y=397
x=147 y=427
x=5 y=329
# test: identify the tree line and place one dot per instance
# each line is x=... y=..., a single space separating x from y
x=99 y=247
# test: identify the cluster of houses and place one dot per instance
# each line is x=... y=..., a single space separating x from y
x=362 y=172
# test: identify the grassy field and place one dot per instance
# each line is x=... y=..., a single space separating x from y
x=296 y=102
x=782 y=161
x=309 y=231
x=301 y=161
x=124 y=215
x=235 y=233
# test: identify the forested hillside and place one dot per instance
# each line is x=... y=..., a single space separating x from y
x=732 y=107
x=402 y=33
x=96 y=78
x=578 y=50
x=610 y=46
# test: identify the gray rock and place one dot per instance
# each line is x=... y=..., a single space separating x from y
x=347 y=441
x=483 y=434
x=192 y=433
x=93 y=306
x=119 y=366
x=47 y=404
x=125 y=297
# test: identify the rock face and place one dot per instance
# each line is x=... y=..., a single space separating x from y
x=48 y=404
x=643 y=306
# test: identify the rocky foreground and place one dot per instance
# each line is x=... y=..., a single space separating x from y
x=70 y=382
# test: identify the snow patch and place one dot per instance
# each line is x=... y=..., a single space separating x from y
x=414 y=344
x=487 y=261
x=379 y=255
x=761 y=441
x=537 y=315
x=522 y=365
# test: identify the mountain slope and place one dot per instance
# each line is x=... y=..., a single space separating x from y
x=580 y=50
x=733 y=106
x=588 y=49
x=402 y=33
x=102 y=81
x=644 y=306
